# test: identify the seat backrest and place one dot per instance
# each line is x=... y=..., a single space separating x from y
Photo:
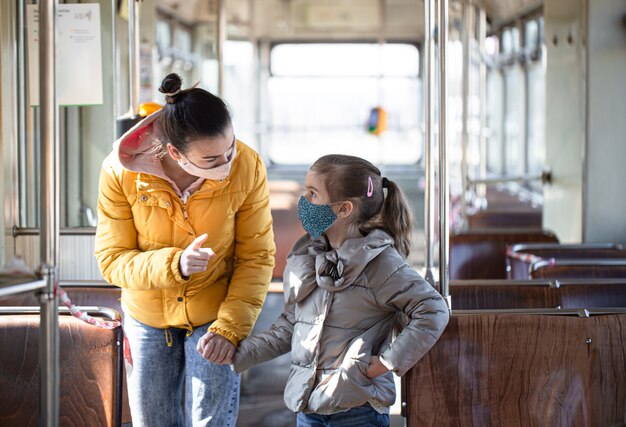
x=90 y=368
x=578 y=269
x=506 y=217
x=481 y=254
x=533 y=370
x=496 y=295
x=519 y=261
x=502 y=295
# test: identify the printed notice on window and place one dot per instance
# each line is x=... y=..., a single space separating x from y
x=78 y=58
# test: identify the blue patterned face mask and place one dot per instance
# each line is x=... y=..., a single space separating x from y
x=315 y=219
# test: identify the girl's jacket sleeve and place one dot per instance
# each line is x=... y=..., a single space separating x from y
x=267 y=345
x=428 y=315
x=120 y=260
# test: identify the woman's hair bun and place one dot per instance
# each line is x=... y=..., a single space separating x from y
x=170 y=86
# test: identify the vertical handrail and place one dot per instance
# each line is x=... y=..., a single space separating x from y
x=429 y=190
x=465 y=39
x=221 y=39
x=481 y=190
x=444 y=192
x=48 y=217
x=22 y=189
x=133 y=56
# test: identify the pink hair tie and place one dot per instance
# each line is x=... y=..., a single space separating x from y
x=370 y=187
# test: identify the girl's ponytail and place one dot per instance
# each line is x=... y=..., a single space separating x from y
x=397 y=217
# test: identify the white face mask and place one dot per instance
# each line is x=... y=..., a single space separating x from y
x=217 y=173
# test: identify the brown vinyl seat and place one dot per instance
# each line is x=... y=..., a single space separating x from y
x=506 y=217
x=505 y=209
x=481 y=254
x=506 y=294
x=99 y=294
x=522 y=370
x=90 y=361
x=519 y=262
x=578 y=269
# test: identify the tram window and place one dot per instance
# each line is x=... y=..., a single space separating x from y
x=531 y=35
x=321 y=94
x=239 y=83
x=536 y=78
x=510 y=41
x=494 y=122
x=513 y=120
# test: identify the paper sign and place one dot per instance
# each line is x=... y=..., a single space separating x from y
x=78 y=58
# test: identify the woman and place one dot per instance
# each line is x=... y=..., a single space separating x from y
x=184 y=227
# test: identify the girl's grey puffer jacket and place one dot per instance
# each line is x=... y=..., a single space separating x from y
x=340 y=309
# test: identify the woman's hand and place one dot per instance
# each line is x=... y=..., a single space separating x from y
x=216 y=349
x=195 y=258
x=375 y=368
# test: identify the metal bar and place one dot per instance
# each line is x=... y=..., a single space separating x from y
x=444 y=191
x=428 y=83
x=20 y=200
x=581 y=312
x=465 y=42
x=70 y=231
x=119 y=372
x=48 y=217
x=503 y=282
x=482 y=36
x=221 y=39
x=133 y=56
x=19 y=288
x=92 y=310
x=520 y=179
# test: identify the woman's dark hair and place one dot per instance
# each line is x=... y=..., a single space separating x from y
x=190 y=114
x=347 y=178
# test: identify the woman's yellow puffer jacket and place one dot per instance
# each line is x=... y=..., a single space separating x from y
x=144 y=226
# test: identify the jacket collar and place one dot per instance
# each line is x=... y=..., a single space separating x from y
x=312 y=263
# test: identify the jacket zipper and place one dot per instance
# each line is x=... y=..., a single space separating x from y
x=184 y=200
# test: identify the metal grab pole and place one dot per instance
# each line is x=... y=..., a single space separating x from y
x=466 y=39
x=133 y=56
x=444 y=192
x=49 y=218
x=221 y=39
x=482 y=35
x=429 y=190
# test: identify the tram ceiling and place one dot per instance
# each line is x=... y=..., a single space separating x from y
x=280 y=18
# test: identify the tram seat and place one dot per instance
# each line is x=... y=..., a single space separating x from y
x=518 y=264
x=505 y=210
x=100 y=294
x=481 y=254
x=523 y=369
x=578 y=269
x=514 y=216
x=504 y=294
x=90 y=363
x=284 y=196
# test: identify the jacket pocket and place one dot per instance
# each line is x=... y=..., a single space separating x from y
x=344 y=387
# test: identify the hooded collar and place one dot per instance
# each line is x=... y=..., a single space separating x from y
x=135 y=151
x=312 y=263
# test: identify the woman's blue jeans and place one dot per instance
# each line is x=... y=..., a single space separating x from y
x=173 y=385
x=361 y=416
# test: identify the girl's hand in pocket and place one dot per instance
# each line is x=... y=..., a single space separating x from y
x=375 y=368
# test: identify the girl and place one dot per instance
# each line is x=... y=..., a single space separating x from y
x=184 y=227
x=346 y=282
